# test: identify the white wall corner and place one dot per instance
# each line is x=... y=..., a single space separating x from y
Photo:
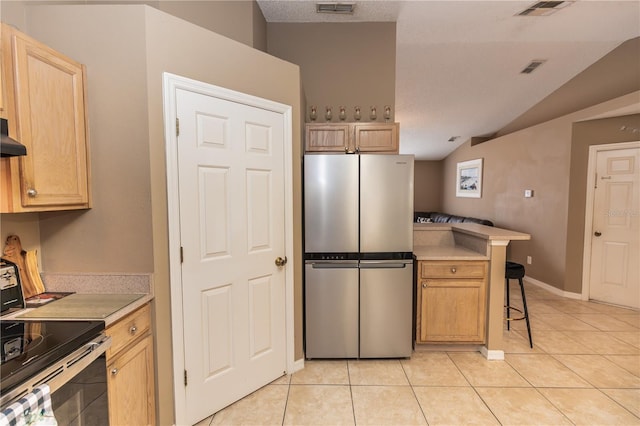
x=492 y=354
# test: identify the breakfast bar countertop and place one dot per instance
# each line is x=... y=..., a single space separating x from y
x=474 y=229
x=433 y=252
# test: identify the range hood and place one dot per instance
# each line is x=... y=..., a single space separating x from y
x=9 y=147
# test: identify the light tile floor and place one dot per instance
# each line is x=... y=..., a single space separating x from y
x=584 y=368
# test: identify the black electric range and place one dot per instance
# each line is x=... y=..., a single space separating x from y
x=28 y=347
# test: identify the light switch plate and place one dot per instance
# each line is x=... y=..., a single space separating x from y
x=528 y=193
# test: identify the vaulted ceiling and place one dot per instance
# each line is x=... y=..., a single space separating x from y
x=459 y=63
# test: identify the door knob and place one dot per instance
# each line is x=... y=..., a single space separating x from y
x=280 y=261
x=597 y=233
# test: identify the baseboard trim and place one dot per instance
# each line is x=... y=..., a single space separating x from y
x=492 y=354
x=552 y=289
x=297 y=365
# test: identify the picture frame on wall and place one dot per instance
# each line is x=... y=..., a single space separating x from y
x=469 y=179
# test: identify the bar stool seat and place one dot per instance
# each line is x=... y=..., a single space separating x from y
x=515 y=271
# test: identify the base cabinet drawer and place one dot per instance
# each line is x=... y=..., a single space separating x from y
x=130 y=370
x=452 y=302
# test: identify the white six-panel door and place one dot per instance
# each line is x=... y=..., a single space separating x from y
x=615 y=235
x=231 y=198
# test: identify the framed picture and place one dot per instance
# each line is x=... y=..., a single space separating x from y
x=469 y=179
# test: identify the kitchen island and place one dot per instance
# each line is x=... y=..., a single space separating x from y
x=460 y=279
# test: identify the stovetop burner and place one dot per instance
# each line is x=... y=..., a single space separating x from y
x=27 y=347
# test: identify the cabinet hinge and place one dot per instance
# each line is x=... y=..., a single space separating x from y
x=177 y=126
x=181 y=255
x=185 y=377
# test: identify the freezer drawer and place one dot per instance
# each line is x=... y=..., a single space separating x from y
x=331 y=310
x=386 y=309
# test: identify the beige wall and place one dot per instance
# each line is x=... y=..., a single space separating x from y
x=237 y=19
x=240 y=20
x=341 y=64
x=126 y=49
x=537 y=158
x=427 y=186
x=585 y=134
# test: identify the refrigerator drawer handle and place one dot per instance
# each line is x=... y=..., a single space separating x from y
x=334 y=265
x=383 y=265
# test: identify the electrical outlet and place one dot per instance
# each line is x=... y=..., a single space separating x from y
x=529 y=260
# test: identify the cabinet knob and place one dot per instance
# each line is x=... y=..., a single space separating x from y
x=424 y=285
x=453 y=270
x=597 y=233
x=32 y=193
x=133 y=329
x=114 y=371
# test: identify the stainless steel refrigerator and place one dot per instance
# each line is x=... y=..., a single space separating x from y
x=358 y=213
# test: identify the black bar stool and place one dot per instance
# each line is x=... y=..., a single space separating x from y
x=515 y=271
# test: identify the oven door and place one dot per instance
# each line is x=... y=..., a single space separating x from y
x=78 y=385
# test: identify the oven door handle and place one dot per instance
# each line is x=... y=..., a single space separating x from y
x=61 y=371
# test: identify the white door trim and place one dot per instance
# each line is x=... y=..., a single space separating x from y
x=588 y=214
x=171 y=83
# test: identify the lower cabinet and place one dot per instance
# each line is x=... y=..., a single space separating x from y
x=451 y=302
x=130 y=371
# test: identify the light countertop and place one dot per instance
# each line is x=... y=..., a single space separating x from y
x=475 y=229
x=106 y=307
x=446 y=253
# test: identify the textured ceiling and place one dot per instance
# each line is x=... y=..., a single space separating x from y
x=458 y=63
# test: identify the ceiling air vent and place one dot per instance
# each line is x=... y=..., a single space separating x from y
x=544 y=8
x=532 y=66
x=335 y=7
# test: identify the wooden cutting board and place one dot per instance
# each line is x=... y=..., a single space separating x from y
x=83 y=306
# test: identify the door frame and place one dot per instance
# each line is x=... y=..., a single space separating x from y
x=171 y=83
x=588 y=216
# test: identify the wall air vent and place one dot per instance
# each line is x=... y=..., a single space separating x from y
x=532 y=66
x=342 y=8
x=544 y=8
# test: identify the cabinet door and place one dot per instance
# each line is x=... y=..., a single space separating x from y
x=50 y=113
x=327 y=138
x=452 y=310
x=3 y=90
x=131 y=386
x=372 y=137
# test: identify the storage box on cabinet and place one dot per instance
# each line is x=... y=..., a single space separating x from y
x=452 y=299
x=44 y=102
x=130 y=370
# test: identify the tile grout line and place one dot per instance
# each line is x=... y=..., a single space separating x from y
x=413 y=391
x=286 y=400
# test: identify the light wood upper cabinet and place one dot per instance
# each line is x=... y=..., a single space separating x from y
x=46 y=109
x=373 y=137
x=352 y=138
x=130 y=370
x=327 y=137
x=3 y=103
x=451 y=302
